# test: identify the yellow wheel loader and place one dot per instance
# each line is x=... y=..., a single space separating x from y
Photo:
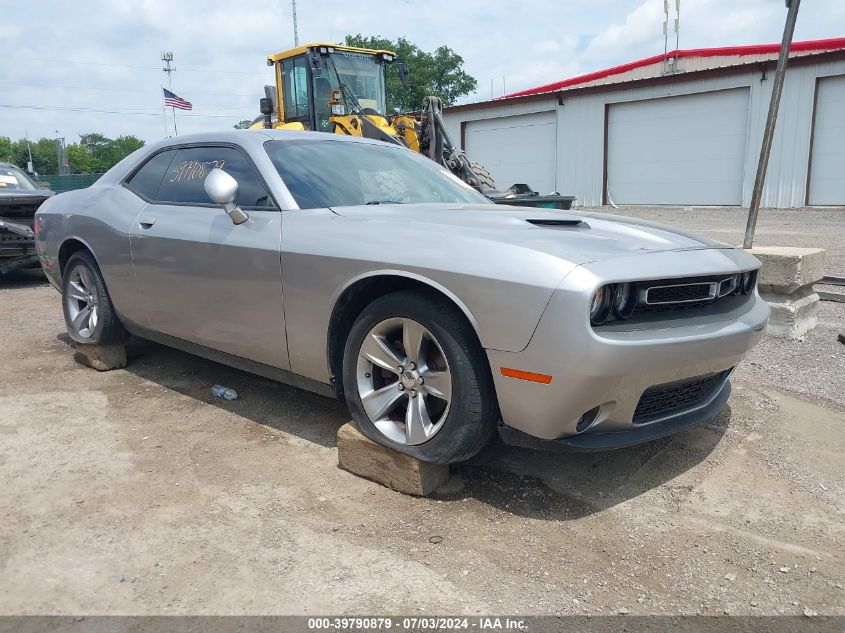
x=341 y=90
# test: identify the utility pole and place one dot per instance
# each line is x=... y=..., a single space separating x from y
x=61 y=160
x=665 y=33
x=295 y=27
x=167 y=58
x=771 y=120
x=677 y=27
x=29 y=166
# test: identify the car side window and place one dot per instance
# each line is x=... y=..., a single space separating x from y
x=183 y=182
x=146 y=181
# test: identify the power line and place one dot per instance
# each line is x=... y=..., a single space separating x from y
x=70 y=61
x=99 y=111
x=152 y=92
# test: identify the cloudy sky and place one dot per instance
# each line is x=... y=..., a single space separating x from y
x=85 y=66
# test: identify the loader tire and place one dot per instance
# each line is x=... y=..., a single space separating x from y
x=389 y=186
x=484 y=177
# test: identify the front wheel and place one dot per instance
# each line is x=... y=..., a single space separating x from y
x=484 y=177
x=89 y=315
x=416 y=379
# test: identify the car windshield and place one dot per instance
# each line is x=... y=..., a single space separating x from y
x=14 y=178
x=321 y=173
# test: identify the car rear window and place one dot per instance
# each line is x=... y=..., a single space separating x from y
x=146 y=181
x=330 y=173
x=183 y=182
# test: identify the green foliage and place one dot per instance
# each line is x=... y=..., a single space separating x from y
x=439 y=73
x=242 y=125
x=93 y=154
x=80 y=160
x=7 y=150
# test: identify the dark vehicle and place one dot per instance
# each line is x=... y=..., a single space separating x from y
x=20 y=198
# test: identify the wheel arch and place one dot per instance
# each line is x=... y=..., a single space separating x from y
x=68 y=247
x=362 y=290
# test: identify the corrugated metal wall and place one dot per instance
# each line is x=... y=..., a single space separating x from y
x=580 y=130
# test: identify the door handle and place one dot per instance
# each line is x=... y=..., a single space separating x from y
x=147 y=223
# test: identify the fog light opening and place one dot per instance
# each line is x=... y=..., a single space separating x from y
x=587 y=420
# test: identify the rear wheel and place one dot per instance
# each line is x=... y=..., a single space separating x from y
x=89 y=315
x=416 y=379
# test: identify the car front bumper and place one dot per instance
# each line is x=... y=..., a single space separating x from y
x=610 y=368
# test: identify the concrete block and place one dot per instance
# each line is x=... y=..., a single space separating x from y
x=363 y=457
x=792 y=315
x=101 y=357
x=787 y=268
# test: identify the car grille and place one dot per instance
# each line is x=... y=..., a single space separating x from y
x=673 y=398
x=670 y=295
x=676 y=294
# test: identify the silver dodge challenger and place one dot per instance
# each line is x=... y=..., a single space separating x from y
x=365 y=271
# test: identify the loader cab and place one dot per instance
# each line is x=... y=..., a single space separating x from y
x=317 y=83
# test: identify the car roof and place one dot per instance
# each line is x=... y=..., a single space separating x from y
x=255 y=138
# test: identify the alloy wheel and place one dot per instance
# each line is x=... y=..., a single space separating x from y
x=82 y=303
x=404 y=381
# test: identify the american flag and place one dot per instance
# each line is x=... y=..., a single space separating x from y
x=175 y=101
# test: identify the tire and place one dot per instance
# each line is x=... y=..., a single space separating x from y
x=388 y=186
x=83 y=289
x=484 y=176
x=462 y=417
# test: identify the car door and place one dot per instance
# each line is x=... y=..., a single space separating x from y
x=202 y=278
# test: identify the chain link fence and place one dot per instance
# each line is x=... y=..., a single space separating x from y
x=60 y=184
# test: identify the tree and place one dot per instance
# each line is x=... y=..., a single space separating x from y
x=242 y=125
x=95 y=153
x=118 y=149
x=80 y=160
x=104 y=151
x=44 y=157
x=439 y=73
x=7 y=150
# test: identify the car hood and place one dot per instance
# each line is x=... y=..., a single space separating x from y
x=577 y=237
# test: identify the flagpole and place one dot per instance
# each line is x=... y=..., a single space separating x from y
x=164 y=111
x=175 y=131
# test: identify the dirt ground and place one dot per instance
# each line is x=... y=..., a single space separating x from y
x=137 y=492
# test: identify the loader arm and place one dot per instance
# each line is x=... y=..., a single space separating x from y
x=438 y=146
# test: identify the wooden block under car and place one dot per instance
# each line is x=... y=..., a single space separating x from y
x=101 y=357
x=363 y=457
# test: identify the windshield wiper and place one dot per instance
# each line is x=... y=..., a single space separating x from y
x=383 y=202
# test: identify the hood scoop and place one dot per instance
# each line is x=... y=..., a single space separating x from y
x=558 y=224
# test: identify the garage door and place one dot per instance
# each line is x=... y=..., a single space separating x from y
x=515 y=149
x=827 y=166
x=678 y=150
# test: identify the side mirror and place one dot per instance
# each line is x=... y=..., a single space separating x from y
x=404 y=73
x=223 y=190
x=266 y=106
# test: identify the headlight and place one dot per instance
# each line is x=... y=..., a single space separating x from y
x=624 y=299
x=613 y=301
x=600 y=307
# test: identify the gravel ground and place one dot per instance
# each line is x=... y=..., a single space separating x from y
x=136 y=492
